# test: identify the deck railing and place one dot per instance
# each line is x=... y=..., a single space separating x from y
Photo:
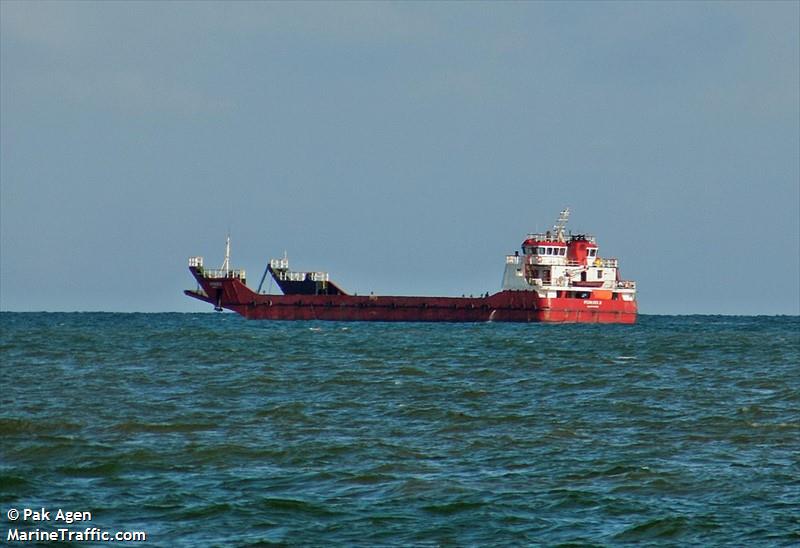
x=279 y=264
x=318 y=276
x=303 y=276
x=221 y=273
x=286 y=276
x=575 y=285
x=557 y=260
x=197 y=262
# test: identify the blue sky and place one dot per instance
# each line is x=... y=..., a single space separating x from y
x=403 y=147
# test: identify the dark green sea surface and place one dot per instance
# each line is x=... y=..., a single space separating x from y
x=210 y=430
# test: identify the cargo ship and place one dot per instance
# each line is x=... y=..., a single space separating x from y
x=556 y=276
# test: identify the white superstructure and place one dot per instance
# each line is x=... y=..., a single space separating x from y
x=560 y=265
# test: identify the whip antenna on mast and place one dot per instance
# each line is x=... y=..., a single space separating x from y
x=226 y=264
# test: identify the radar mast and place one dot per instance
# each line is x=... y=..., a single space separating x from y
x=558 y=228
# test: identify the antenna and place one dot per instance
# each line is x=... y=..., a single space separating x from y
x=226 y=264
x=558 y=228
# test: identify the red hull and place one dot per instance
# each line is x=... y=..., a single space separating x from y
x=505 y=306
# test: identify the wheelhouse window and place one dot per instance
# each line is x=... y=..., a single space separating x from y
x=599 y=274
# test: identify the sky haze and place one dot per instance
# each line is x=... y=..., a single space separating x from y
x=403 y=147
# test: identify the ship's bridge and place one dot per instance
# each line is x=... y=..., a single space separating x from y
x=544 y=251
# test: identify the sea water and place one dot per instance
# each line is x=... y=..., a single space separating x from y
x=211 y=430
